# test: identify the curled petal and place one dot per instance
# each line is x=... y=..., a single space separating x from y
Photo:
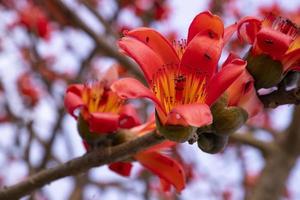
x=158 y=43
x=164 y=167
x=248 y=28
x=147 y=59
x=73 y=99
x=202 y=55
x=196 y=115
x=128 y=117
x=228 y=32
x=222 y=80
x=239 y=88
x=206 y=22
x=130 y=88
x=121 y=168
x=103 y=122
x=273 y=43
x=251 y=103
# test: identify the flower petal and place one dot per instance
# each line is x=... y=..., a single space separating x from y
x=202 y=55
x=228 y=32
x=164 y=167
x=158 y=43
x=103 y=122
x=251 y=103
x=130 y=88
x=147 y=59
x=222 y=80
x=290 y=60
x=272 y=42
x=208 y=23
x=128 y=117
x=72 y=99
x=239 y=88
x=196 y=115
x=248 y=28
x=121 y=168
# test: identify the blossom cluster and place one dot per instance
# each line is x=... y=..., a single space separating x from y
x=195 y=100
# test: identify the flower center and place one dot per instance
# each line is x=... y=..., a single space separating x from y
x=172 y=87
x=180 y=46
x=100 y=98
x=282 y=24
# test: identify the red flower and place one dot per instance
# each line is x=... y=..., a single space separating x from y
x=242 y=92
x=100 y=107
x=167 y=169
x=30 y=93
x=183 y=79
x=274 y=36
x=35 y=20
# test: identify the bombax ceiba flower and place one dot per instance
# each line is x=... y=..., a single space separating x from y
x=182 y=78
x=97 y=109
x=275 y=48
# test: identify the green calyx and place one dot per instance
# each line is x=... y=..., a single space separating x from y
x=227 y=119
x=174 y=133
x=266 y=71
x=211 y=143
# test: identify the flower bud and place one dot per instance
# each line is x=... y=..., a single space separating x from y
x=266 y=71
x=227 y=119
x=175 y=133
x=211 y=143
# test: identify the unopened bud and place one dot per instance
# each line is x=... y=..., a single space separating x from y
x=211 y=143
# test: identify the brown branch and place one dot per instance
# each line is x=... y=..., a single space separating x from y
x=280 y=163
x=101 y=42
x=281 y=97
x=248 y=139
x=78 y=165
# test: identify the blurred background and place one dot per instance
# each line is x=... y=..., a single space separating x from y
x=47 y=45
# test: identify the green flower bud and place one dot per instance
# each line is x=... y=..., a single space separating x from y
x=266 y=71
x=227 y=120
x=211 y=143
x=173 y=132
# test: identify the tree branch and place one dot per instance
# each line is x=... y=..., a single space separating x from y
x=248 y=139
x=81 y=164
x=281 y=97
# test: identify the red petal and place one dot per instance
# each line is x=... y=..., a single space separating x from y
x=73 y=99
x=292 y=56
x=147 y=59
x=228 y=32
x=130 y=88
x=208 y=23
x=164 y=167
x=197 y=115
x=103 y=122
x=251 y=103
x=273 y=43
x=121 y=168
x=158 y=43
x=166 y=186
x=129 y=117
x=202 y=55
x=164 y=145
x=222 y=80
x=248 y=28
x=239 y=88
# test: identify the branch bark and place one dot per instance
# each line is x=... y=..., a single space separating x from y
x=279 y=163
x=81 y=164
x=281 y=97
